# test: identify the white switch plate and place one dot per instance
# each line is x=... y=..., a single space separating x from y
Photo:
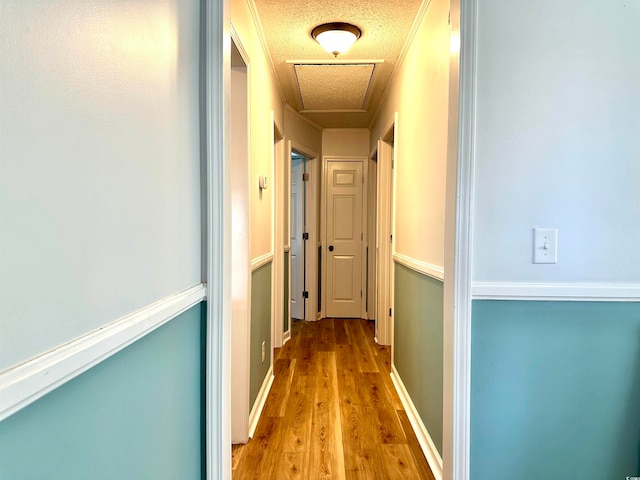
x=545 y=245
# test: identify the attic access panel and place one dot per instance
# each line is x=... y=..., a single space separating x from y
x=334 y=86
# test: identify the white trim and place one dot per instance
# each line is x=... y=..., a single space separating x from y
x=335 y=110
x=279 y=222
x=433 y=271
x=27 y=382
x=459 y=241
x=424 y=439
x=217 y=69
x=286 y=336
x=581 y=292
x=333 y=62
x=261 y=261
x=383 y=246
x=260 y=402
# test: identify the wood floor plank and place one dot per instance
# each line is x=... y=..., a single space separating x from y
x=361 y=457
x=326 y=457
x=289 y=349
x=384 y=364
x=298 y=419
x=361 y=348
x=375 y=391
x=236 y=455
x=398 y=461
x=327 y=338
x=326 y=378
x=352 y=388
x=387 y=424
x=341 y=333
x=345 y=357
x=276 y=403
x=292 y=466
x=260 y=455
x=306 y=357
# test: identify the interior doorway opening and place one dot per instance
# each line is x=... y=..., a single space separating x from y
x=299 y=235
x=302 y=236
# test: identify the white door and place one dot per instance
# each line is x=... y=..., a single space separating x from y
x=297 y=244
x=344 y=239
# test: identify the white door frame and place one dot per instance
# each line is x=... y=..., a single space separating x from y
x=216 y=254
x=241 y=267
x=385 y=220
x=459 y=241
x=278 y=191
x=311 y=208
x=457 y=305
x=323 y=218
x=371 y=240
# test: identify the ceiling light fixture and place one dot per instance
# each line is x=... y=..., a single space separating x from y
x=336 y=37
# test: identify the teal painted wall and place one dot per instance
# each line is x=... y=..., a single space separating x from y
x=287 y=300
x=260 y=328
x=418 y=315
x=555 y=390
x=137 y=415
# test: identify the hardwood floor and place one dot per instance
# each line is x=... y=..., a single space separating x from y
x=332 y=413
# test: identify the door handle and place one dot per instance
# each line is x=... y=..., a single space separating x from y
x=331 y=248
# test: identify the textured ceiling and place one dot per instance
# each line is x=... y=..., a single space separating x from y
x=334 y=87
x=309 y=83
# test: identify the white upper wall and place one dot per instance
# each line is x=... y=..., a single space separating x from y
x=263 y=99
x=345 y=142
x=99 y=165
x=301 y=131
x=558 y=139
x=419 y=94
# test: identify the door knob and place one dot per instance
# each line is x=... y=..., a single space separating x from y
x=331 y=248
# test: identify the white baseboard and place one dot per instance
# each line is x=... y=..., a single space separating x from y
x=286 y=336
x=29 y=381
x=260 y=402
x=426 y=443
x=576 y=292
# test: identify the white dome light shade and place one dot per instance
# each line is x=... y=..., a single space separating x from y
x=336 y=38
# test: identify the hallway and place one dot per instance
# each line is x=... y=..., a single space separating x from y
x=332 y=412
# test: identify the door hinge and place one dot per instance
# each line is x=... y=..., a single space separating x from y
x=305 y=177
x=305 y=236
x=360 y=293
x=361 y=236
x=391 y=238
x=305 y=294
x=390 y=310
